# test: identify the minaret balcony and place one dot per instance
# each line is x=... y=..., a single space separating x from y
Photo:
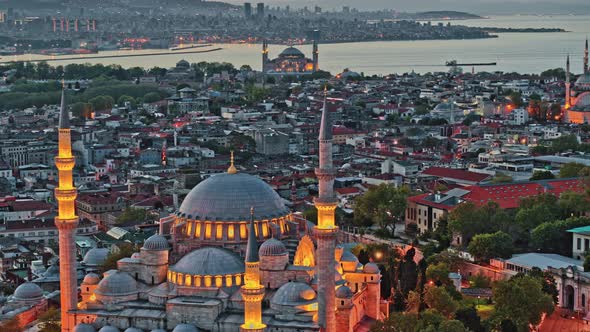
x=66 y=194
x=65 y=163
x=329 y=172
x=252 y=294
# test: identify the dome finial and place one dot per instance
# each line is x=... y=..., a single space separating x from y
x=232 y=169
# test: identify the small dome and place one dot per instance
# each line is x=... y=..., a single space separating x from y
x=294 y=294
x=108 y=328
x=156 y=242
x=272 y=247
x=343 y=292
x=27 y=292
x=133 y=329
x=291 y=52
x=184 y=328
x=158 y=330
x=116 y=283
x=84 y=328
x=91 y=279
x=584 y=79
x=95 y=256
x=210 y=261
x=183 y=64
x=348 y=256
x=371 y=268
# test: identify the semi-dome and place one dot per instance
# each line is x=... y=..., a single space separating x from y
x=117 y=283
x=348 y=256
x=84 y=328
x=95 y=256
x=343 y=292
x=91 y=279
x=183 y=64
x=272 y=247
x=185 y=328
x=294 y=294
x=210 y=261
x=371 y=268
x=27 y=292
x=156 y=242
x=291 y=52
x=108 y=328
x=584 y=79
x=229 y=197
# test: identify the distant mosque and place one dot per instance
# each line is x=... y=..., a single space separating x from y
x=577 y=98
x=290 y=62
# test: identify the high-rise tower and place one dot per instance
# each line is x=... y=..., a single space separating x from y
x=66 y=221
x=586 y=57
x=567 y=84
x=326 y=229
x=252 y=290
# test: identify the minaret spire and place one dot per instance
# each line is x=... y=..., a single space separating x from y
x=586 y=57
x=66 y=221
x=325 y=231
x=232 y=168
x=567 y=84
x=252 y=290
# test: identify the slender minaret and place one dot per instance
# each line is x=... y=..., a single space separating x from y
x=264 y=55
x=66 y=221
x=316 y=55
x=252 y=290
x=164 y=157
x=567 y=84
x=586 y=57
x=326 y=229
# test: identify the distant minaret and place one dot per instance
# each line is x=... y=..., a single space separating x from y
x=264 y=55
x=164 y=158
x=316 y=55
x=252 y=290
x=325 y=231
x=586 y=57
x=567 y=84
x=293 y=191
x=66 y=221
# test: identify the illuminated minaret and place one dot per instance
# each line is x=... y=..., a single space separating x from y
x=567 y=84
x=316 y=55
x=163 y=157
x=252 y=290
x=325 y=231
x=586 y=57
x=66 y=221
x=264 y=55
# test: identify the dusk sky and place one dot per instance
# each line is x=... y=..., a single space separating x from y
x=475 y=6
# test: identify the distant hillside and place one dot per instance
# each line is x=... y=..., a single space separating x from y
x=442 y=15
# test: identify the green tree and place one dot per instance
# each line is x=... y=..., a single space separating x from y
x=397 y=322
x=468 y=219
x=101 y=103
x=50 y=321
x=438 y=273
x=381 y=205
x=151 y=97
x=126 y=99
x=439 y=299
x=132 y=215
x=573 y=204
x=487 y=246
x=452 y=326
x=570 y=170
x=480 y=281
x=529 y=218
x=542 y=175
x=564 y=143
x=552 y=236
x=468 y=316
x=516 y=99
x=522 y=301
x=125 y=250
x=82 y=110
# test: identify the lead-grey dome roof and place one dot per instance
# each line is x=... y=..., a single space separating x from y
x=156 y=242
x=95 y=256
x=108 y=328
x=272 y=247
x=116 y=283
x=133 y=329
x=185 y=328
x=84 y=328
x=91 y=279
x=210 y=261
x=371 y=268
x=28 y=291
x=291 y=52
x=343 y=292
x=294 y=294
x=583 y=79
x=229 y=197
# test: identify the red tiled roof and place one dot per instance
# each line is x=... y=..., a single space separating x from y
x=457 y=174
x=347 y=191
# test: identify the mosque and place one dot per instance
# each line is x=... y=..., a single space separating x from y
x=290 y=62
x=577 y=98
x=232 y=258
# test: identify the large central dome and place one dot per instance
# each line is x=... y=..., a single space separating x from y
x=229 y=197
